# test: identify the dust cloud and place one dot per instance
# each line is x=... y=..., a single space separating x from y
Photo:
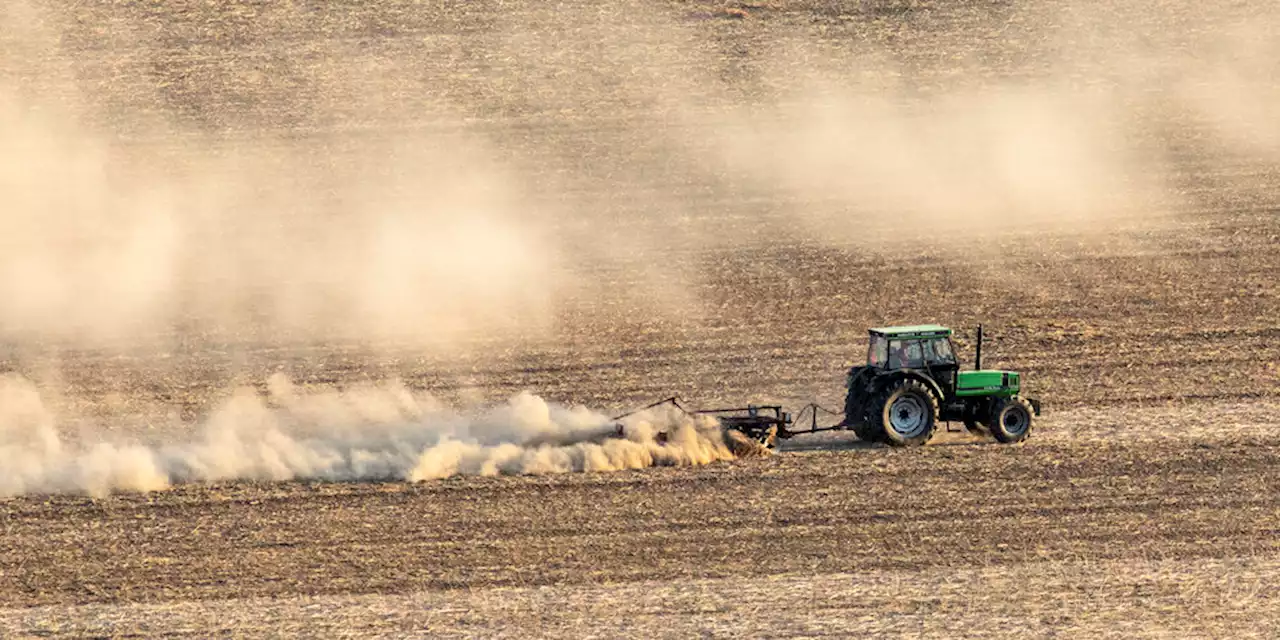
x=1040 y=118
x=154 y=187
x=378 y=173
x=376 y=433
x=477 y=175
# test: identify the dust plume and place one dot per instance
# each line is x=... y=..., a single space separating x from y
x=263 y=186
x=364 y=434
x=384 y=173
x=163 y=188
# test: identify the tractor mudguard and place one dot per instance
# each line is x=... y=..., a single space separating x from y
x=863 y=389
x=890 y=377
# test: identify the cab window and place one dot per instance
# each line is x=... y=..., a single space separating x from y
x=938 y=351
x=905 y=354
x=878 y=351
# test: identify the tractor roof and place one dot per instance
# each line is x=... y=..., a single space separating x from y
x=913 y=331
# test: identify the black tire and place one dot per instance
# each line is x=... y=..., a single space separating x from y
x=855 y=412
x=1010 y=420
x=906 y=414
x=867 y=432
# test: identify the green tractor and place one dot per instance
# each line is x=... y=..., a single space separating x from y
x=912 y=380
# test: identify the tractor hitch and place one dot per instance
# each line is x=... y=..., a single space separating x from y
x=762 y=423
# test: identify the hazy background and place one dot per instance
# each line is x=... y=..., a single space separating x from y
x=276 y=262
x=433 y=174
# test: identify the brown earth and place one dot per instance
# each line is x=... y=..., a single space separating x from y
x=1146 y=503
x=1092 y=534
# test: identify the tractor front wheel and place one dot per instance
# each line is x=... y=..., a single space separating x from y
x=1010 y=420
x=908 y=414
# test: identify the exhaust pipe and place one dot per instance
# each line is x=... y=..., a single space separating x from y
x=977 y=359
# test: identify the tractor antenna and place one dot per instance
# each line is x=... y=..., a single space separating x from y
x=977 y=359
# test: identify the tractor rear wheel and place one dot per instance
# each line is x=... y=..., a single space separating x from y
x=1010 y=420
x=868 y=432
x=907 y=414
x=856 y=414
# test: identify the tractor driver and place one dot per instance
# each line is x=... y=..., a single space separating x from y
x=909 y=355
x=899 y=359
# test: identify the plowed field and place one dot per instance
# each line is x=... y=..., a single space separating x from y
x=1146 y=502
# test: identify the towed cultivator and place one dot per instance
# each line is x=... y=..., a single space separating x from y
x=910 y=382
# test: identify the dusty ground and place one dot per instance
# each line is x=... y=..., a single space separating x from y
x=1147 y=503
x=1164 y=534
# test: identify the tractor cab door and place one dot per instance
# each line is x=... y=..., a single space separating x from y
x=940 y=361
x=906 y=354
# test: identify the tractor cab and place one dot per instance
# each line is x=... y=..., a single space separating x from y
x=924 y=348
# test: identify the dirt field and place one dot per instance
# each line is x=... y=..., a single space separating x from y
x=1168 y=534
x=1140 y=300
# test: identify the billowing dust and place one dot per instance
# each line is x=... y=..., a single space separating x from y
x=375 y=433
x=290 y=172
x=464 y=176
